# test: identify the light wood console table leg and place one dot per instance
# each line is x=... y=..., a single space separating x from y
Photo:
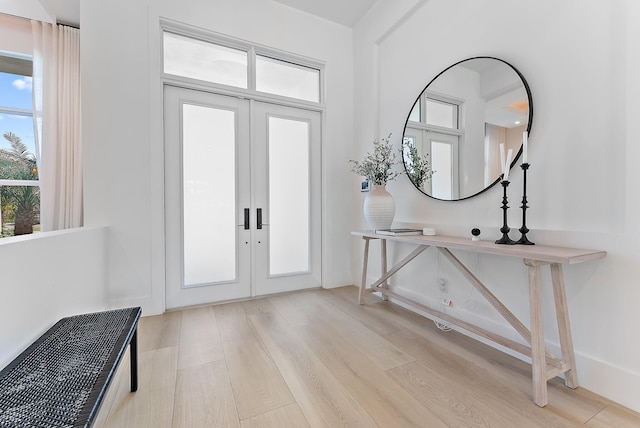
x=567 y=365
x=383 y=265
x=564 y=329
x=538 y=359
x=363 y=281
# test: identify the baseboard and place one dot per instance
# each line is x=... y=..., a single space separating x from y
x=615 y=383
x=337 y=285
x=149 y=305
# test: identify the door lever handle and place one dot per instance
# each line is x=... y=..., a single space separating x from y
x=259 y=218
x=246 y=219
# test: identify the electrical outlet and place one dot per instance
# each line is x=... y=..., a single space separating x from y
x=443 y=284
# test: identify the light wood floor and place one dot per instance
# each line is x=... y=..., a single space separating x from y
x=317 y=359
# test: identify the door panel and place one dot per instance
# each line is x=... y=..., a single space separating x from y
x=288 y=156
x=288 y=198
x=443 y=149
x=206 y=191
x=208 y=195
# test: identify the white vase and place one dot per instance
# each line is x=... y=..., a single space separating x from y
x=379 y=208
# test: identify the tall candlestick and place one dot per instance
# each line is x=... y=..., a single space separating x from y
x=505 y=228
x=524 y=229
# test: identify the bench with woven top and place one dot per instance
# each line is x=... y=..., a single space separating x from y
x=62 y=378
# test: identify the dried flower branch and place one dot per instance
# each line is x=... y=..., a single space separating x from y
x=418 y=168
x=378 y=166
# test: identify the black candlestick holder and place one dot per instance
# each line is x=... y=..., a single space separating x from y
x=524 y=230
x=505 y=229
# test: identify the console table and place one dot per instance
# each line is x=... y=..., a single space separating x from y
x=545 y=365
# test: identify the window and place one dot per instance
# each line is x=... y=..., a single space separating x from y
x=414 y=116
x=439 y=112
x=241 y=65
x=197 y=59
x=19 y=185
x=290 y=80
x=442 y=113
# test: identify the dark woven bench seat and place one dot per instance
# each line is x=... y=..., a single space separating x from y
x=62 y=378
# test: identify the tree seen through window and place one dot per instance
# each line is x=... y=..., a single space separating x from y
x=19 y=186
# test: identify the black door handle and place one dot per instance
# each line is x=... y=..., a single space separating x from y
x=246 y=219
x=259 y=218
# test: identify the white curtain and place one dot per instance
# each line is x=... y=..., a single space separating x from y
x=56 y=100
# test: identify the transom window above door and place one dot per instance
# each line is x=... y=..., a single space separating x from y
x=197 y=59
x=240 y=65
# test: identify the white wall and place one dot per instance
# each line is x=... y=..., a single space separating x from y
x=15 y=34
x=581 y=60
x=45 y=277
x=122 y=128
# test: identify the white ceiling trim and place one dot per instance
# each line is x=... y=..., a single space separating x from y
x=29 y=9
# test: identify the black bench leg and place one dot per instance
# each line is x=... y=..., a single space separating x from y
x=133 y=350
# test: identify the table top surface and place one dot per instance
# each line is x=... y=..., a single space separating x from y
x=532 y=252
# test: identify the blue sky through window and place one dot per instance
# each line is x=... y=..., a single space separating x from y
x=16 y=92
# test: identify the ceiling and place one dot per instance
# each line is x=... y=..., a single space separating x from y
x=64 y=11
x=61 y=11
x=345 y=12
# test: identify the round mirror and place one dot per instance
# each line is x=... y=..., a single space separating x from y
x=452 y=136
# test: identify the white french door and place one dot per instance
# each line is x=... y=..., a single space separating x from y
x=242 y=197
x=286 y=187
